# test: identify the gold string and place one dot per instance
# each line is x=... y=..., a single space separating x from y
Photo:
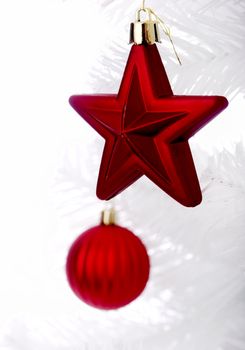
x=167 y=31
x=164 y=27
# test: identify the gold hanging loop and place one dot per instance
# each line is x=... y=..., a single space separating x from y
x=146 y=31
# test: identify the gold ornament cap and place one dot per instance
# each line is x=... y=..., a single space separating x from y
x=108 y=217
x=144 y=31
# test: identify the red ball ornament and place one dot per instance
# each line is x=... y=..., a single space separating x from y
x=107 y=266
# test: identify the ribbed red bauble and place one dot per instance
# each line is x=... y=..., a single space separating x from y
x=107 y=266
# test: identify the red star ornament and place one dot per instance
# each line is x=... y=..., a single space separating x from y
x=146 y=129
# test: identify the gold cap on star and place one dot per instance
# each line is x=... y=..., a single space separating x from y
x=144 y=31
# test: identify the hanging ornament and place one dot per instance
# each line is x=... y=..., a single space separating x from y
x=107 y=266
x=145 y=126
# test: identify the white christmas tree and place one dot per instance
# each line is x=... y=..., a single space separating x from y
x=195 y=295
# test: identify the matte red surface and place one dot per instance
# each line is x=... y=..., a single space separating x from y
x=107 y=267
x=147 y=128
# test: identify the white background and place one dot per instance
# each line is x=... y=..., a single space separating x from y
x=48 y=50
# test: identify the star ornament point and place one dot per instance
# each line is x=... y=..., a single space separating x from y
x=146 y=129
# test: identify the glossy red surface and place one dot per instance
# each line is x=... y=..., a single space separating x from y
x=147 y=128
x=107 y=267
